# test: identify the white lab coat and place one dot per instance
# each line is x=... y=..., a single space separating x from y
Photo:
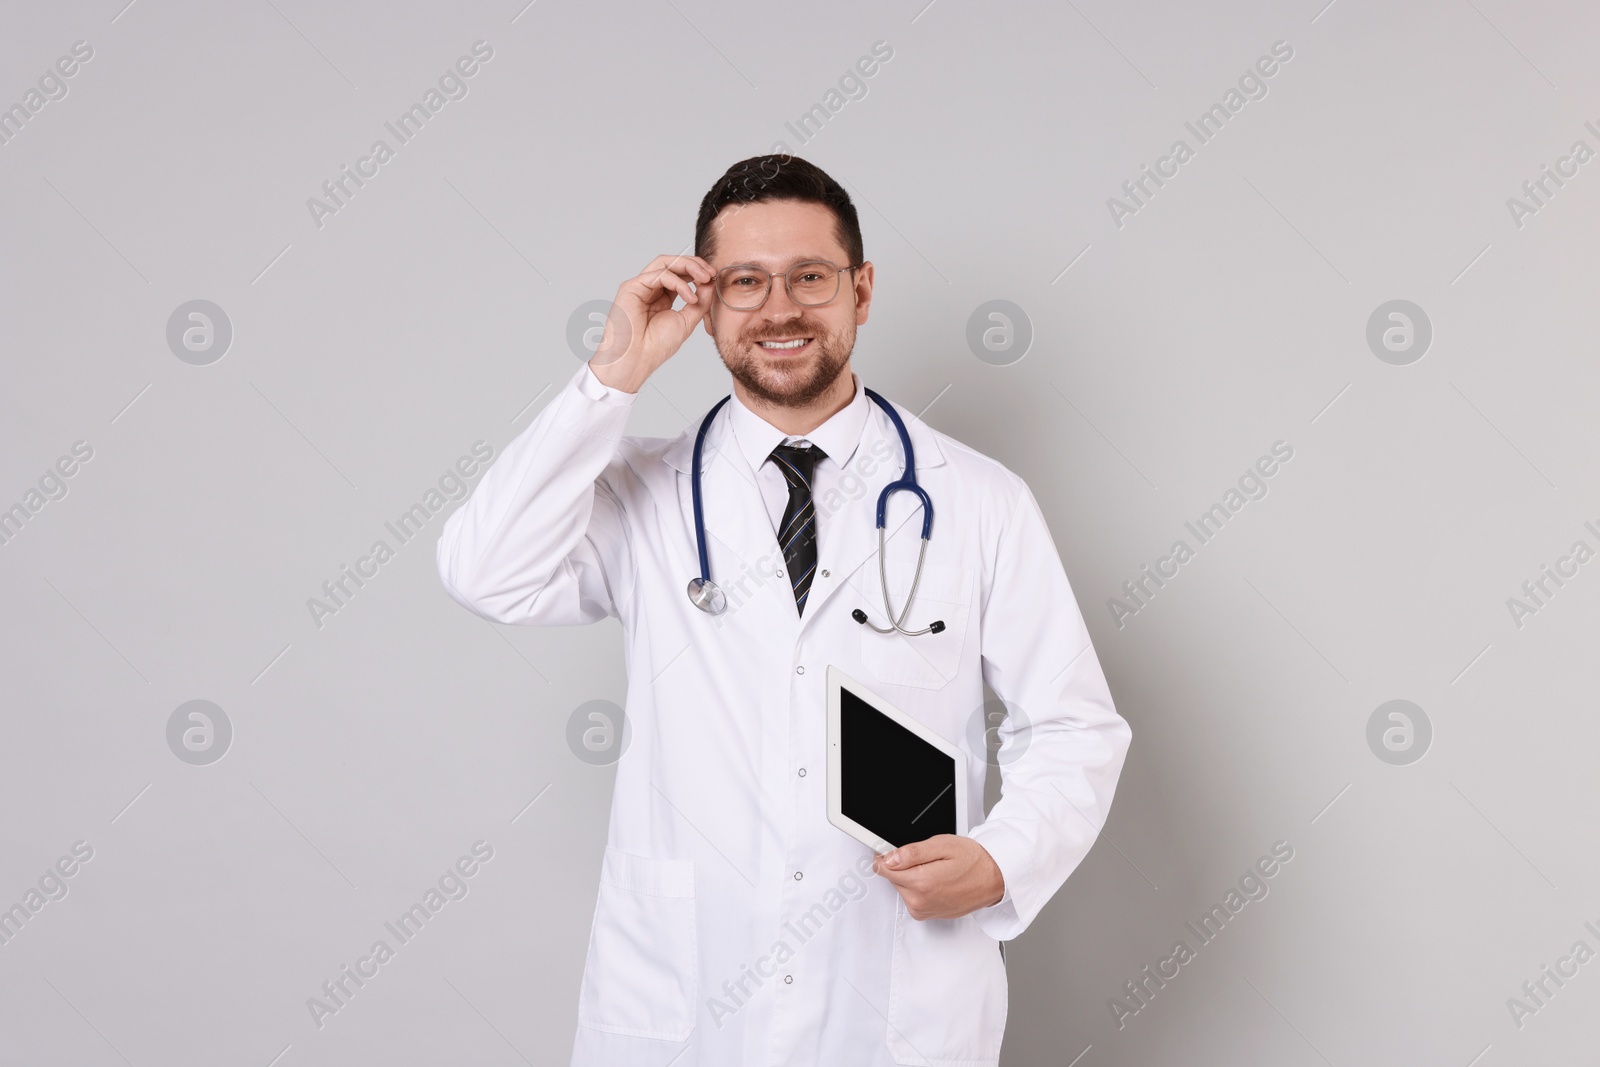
x=735 y=925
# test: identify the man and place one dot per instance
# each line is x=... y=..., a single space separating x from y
x=735 y=925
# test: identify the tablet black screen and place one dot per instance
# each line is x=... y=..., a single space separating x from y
x=892 y=781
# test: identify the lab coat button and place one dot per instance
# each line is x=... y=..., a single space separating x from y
x=788 y=979
x=824 y=574
x=798 y=875
x=802 y=772
x=799 y=670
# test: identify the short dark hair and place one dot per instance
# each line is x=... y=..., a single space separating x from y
x=778 y=177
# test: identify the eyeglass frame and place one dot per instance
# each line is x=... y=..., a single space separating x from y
x=717 y=284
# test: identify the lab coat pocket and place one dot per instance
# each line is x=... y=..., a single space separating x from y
x=927 y=661
x=642 y=968
x=947 y=993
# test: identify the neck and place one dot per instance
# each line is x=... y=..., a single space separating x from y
x=801 y=420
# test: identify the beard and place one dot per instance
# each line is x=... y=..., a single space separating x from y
x=788 y=381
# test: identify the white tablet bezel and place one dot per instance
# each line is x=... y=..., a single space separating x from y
x=837 y=680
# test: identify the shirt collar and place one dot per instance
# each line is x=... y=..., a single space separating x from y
x=837 y=437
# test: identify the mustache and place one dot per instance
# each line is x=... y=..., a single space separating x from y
x=800 y=328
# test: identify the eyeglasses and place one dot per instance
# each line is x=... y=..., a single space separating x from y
x=745 y=286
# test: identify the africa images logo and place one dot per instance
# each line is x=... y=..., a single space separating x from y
x=1252 y=888
x=341 y=189
x=454 y=485
x=1207 y=125
x=1252 y=485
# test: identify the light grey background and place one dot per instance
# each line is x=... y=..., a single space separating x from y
x=369 y=354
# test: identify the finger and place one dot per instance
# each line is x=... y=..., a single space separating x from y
x=667 y=278
x=649 y=289
x=696 y=304
x=702 y=271
x=692 y=312
x=698 y=268
x=651 y=286
x=665 y=260
x=904 y=879
x=692 y=266
x=687 y=277
x=682 y=273
x=913 y=854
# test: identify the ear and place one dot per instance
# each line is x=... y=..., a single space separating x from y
x=863 y=276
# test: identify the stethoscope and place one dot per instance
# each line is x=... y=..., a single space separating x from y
x=708 y=597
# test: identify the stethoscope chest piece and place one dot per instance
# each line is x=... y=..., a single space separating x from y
x=707 y=596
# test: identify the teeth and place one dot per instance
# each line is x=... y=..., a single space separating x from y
x=784 y=344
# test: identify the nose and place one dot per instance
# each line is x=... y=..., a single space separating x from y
x=780 y=304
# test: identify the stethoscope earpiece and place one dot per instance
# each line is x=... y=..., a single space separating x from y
x=934 y=627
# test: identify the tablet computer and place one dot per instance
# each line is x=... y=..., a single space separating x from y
x=891 y=779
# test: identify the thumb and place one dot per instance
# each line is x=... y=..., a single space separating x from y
x=693 y=311
x=904 y=856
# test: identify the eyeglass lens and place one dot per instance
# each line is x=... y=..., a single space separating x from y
x=744 y=287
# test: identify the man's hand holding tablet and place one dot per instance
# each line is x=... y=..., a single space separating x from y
x=944 y=877
x=900 y=788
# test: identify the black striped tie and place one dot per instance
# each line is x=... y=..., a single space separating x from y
x=797 y=533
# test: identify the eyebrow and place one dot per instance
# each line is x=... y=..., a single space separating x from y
x=796 y=260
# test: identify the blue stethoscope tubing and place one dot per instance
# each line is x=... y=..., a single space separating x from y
x=708 y=597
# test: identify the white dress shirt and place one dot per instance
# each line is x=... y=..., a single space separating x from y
x=838 y=437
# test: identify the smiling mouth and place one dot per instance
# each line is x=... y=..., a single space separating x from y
x=792 y=345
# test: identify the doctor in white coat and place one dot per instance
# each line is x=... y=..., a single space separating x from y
x=735 y=925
